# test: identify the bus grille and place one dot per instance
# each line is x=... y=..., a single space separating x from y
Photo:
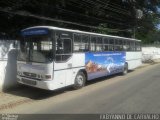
x=31 y=75
x=29 y=82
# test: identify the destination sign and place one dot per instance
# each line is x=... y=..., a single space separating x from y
x=34 y=31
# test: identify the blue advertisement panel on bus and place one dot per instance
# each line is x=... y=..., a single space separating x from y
x=104 y=63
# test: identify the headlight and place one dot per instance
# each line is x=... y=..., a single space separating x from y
x=19 y=73
x=46 y=76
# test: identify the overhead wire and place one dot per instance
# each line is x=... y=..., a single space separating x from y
x=78 y=6
x=88 y=4
x=57 y=20
x=108 y=8
x=68 y=12
x=113 y=5
x=92 y=7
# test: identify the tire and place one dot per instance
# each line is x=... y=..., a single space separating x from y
x=80 y=80
x=125 y=69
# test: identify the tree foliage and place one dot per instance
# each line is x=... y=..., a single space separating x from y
x=116 y=17
x=146 y=27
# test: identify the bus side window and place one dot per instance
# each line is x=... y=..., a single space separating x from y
x=132 y=46
x=118 y=45
x=126 y=45
x=93 y=44
x=137 y=46
x=121 y=44
x=77 y=43
x=105 y=44
x=67 y=46
x=59 y=46
x=111 y=44
x=81 y=43
x=63 y=49
x=99 y=44
x=85 y=43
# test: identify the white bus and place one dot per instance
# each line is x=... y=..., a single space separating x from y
x=51 y=57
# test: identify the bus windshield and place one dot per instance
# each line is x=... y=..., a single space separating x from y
x=36 y=49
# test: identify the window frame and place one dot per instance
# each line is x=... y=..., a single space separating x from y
x=58 y=35
x=81 y=43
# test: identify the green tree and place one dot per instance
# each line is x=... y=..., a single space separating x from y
x=146 y=27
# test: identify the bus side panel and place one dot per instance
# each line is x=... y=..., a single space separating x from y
x=77 y=65
x=78 y=60
x=104 y=63
x=62 y=72
x=65 y=72
x=134 y=59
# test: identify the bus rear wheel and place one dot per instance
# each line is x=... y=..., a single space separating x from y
x=80 y=80
x=125 y=69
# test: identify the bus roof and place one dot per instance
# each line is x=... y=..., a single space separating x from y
x=78 y=31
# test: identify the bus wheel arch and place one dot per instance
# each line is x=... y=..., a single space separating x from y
x=80 y=79
x=85 y=73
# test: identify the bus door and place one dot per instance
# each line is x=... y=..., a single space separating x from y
x=63 y=58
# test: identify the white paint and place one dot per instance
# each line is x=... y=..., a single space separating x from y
x=150 y=53
x=63 y=73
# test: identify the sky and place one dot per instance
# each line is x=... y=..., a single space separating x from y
x=158 y=26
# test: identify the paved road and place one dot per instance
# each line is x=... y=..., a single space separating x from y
x=137 y=92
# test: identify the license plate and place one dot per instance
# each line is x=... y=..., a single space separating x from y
x=29 y=82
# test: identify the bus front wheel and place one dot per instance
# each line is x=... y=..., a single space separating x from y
x=80 y=80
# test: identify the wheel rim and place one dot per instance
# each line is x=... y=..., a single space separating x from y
x=125 y=71
x=80 y=80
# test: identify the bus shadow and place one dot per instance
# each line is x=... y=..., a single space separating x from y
x=40 y=94
x=36 y=93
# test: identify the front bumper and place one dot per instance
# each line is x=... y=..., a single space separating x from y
x=47 y=85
